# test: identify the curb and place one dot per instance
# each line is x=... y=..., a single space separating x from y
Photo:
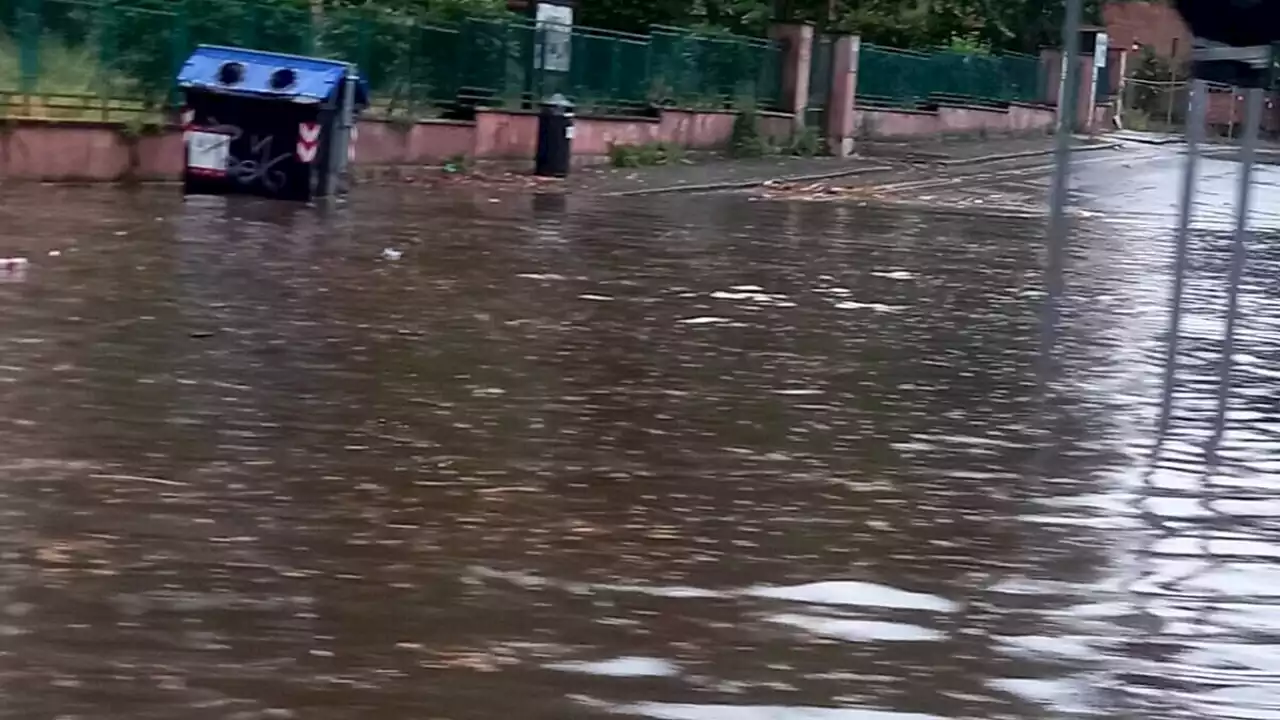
x=748 y=184
x=961 y=162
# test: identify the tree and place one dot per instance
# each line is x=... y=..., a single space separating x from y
x=1019 y=25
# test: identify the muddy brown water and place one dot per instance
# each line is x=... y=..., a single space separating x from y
x=692 y=458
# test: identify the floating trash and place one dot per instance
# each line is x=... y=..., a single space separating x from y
x=13 y=269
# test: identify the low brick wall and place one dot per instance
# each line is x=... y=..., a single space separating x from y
x=1225 y=113
x=951 y=120
x=98 y=151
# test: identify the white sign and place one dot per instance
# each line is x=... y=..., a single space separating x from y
x=208 y=153
x=1100 y=50
x=555 y=26
x=1062 y=87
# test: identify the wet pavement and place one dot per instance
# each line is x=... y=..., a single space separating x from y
x=967 y=149
x=691 y=457
x=714 y=172
x=875 y=162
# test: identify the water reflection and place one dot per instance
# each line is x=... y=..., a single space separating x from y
x=681 y=457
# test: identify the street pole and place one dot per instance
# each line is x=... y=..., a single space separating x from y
x=1057 y=236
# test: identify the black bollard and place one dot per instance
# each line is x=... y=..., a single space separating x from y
x=555 y=137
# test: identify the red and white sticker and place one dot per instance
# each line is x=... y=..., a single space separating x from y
x=351 y=144
x=308 y=141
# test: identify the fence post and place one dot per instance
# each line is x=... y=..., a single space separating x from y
x=1085 y=101
x=180 y=41
x=797 y=55
x=363 y=41
x=1051 y=70
x=29 y=31
x=315 y=43
x=842 y=99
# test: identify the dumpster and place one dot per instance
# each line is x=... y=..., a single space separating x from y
x=268 y=124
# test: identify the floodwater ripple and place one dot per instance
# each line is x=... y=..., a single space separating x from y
x=703 y=457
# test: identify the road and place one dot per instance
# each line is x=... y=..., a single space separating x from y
x=1136 y=183
x=683 y=457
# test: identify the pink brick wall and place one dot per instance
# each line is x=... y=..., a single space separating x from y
x=952 y=120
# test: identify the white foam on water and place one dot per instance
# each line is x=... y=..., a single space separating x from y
x=856 y=630
x=894 y=274
x=854 y=592
x=627 y=666
x=875 y=307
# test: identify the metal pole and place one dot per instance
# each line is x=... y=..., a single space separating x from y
x=1195 y=135
x=1248 y=151
x=1231 y=119
x=1058 y=188
x=342 y=131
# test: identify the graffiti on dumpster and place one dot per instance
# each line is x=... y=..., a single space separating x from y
x=260 y=166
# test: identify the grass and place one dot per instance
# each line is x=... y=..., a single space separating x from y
x=647 y=155
x=69 y=86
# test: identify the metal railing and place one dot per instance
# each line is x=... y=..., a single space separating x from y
x=65 y=58
x=908 y=78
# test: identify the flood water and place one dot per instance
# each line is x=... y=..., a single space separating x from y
x=686 y=458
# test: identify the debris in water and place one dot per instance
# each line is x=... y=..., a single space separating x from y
x=894 y=274
x=137 y=478
x=704 y=320
x=877 y=307
x=392 y=255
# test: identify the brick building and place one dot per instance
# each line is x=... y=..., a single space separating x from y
x=1132 y=26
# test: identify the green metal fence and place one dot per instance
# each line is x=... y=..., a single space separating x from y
x=909 y=78
x=60 y=56
x=691 y=68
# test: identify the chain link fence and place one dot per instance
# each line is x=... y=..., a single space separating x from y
x=1153 y=106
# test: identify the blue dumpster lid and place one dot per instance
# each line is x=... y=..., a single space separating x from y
x=314 y=79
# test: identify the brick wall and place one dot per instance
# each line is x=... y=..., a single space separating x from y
x=1225 y=113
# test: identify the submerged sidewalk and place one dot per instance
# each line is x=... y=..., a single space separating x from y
x=722 y=173
x=716 y=173
x=708 y=172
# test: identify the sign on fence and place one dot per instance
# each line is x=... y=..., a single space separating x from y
x=555 y=35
